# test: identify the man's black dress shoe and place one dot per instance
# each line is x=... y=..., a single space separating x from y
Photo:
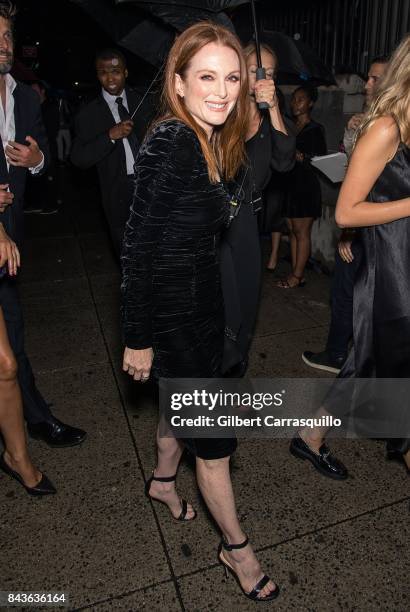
x=44 y=487
x=56 y=434
x=323 y=461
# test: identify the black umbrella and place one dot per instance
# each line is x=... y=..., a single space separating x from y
x=182 y=13
x=127 y=22
x=297 y=61
x=260 y=71
x=131 y=29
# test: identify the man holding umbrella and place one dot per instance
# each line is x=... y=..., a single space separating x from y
x=107 y=136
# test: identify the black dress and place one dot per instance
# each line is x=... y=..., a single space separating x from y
x=172 y=298
x=303 y=193
x=241 y=266
x=381 y=303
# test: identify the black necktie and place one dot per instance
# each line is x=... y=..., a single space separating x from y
x=125 y=116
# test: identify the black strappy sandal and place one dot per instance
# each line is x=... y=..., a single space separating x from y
x=253 y=595
x=284 y=282
x=184 y=505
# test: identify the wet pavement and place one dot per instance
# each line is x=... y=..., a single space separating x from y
x=330 y=545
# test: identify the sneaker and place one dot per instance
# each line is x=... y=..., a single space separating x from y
x=323 y=361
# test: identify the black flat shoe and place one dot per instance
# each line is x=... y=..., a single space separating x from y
x=56 y=434
x=323 y=461
x=253 y=595
x=44 y=487
x=184 y=505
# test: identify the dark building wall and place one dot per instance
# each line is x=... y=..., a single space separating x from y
x=342 y=32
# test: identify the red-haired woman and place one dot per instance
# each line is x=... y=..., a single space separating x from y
x=173 y=318
x=15 y=460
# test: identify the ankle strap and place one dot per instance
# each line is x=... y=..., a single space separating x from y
x=163 y=478
x=229 y=547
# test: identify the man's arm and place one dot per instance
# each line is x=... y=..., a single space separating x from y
x=89 y=149
x=34 y=155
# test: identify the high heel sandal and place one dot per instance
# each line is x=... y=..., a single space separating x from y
x=284 y=282
x=184 y=505
x=253 y=595
x=43 y=487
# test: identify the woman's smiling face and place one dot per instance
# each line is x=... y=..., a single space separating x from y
x=211 y=84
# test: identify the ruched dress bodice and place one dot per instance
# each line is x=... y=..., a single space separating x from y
x=171 y=290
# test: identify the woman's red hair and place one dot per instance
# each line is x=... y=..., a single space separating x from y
x=225 y=152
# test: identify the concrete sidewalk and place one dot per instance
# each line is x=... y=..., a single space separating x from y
x=330 y=545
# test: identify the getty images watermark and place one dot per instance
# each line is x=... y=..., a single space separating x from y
x=277 y=408
x=252 y=401
x=221 y=412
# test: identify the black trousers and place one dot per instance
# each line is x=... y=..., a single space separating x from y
x=341 y=323
x=36 y=408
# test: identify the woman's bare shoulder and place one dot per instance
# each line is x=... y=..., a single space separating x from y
x=384 y=129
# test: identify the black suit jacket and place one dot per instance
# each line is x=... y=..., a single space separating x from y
x=92 y=146
x=28 y=122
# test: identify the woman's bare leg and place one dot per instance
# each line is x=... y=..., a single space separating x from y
x=293 y=243
x=169 y=455
x=214 y=481
x=315 y=436
x=11 y=414
x=302 y=228
x=300 y=242
x=273 y=259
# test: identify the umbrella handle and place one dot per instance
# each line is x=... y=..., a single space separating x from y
x=260 y=75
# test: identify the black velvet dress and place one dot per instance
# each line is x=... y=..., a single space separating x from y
x=241 y=264
x=303 y=193
x=172 y=299
x=381 y=303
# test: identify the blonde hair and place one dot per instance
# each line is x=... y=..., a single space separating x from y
x=251 y=48
x=393 y=94
x=225 y=152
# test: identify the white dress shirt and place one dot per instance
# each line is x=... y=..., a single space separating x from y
x=7 y=124
x=111 y=101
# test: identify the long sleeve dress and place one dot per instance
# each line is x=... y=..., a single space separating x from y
x=171 y=293
x=241 y=264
